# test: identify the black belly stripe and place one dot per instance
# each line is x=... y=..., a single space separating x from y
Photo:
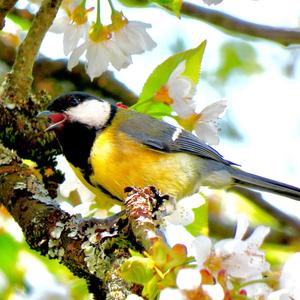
x=107 y=192
x=87 y=175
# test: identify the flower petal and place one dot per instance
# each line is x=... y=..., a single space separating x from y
x=207 y=132
x=170 y=293
x=75 y=56
x=213 y=111
x=59 y=24
x=289 y=278
x=258 y=236
x=241 y=226
x=214 y=291
x=117 y=57
x=188 y=279
x=97 y=59
x=201 y=248
x=177 y=71
x=134 y=39
x=72 y=35
x=279 y=295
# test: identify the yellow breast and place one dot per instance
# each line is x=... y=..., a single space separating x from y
x=118 y=161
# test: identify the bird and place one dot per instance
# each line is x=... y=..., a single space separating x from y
x=111 y=148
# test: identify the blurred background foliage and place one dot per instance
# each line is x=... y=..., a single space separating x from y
x=230 y=63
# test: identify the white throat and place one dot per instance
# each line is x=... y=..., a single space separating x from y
x=93 y=113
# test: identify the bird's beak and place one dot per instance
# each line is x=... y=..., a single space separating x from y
x=57 y=119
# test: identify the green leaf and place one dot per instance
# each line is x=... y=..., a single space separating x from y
x=200 y=224
x=137 y=269
x=237 y=58
x=21 y=22
x=174 y=5
x=9 y=251
x=151 y=289
x=135 y=3
x=160 y=77
x=135 y=253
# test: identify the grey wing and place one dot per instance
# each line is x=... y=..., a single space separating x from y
x=165 y=137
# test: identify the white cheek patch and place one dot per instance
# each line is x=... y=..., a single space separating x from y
x=93 y=113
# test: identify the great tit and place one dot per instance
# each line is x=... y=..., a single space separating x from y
x=111 y=148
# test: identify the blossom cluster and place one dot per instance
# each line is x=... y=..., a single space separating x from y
x=235 y=269
x=179 y=93
x=102 y=45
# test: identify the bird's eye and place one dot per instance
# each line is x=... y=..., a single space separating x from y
x=73 y=102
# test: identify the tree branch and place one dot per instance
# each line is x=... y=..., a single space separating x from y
x=280 y=215
x=5 y=7
x=91 y=249
x=18 y=82
x=284 y=36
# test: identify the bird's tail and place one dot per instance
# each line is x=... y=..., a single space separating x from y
x=245 y=179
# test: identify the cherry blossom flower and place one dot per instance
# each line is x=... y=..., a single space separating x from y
x=289 y=278
x=189 y=287
x=289 y=281
x=207 y=127
x=240 y=258
x=104 y=45
x=100 y=50
x=178 y=93
x=73 y=24
x=281 y=294
x=131 y=36
x=183 y=213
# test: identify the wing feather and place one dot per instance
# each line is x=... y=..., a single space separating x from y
x=160 y=136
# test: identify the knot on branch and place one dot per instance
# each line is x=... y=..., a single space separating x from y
x=143 y=206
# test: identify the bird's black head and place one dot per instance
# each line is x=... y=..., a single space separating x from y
x=78 y=107
x=76 y=118
x=66 y=101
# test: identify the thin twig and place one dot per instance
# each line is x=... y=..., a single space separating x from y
x=18 y=82
x=284 y=36
x=280 y=215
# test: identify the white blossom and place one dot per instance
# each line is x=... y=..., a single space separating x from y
x=178 y=93
x=201 y=247
x=240 y=258
x=98 y=56
x=172 y=293
x=206 y=127
x=214 y=291
x=183 y=213
x=74 y=25
x=281 y=294
x=289 y=279
x=188 y=279
x=259 y=290
x=133 y=38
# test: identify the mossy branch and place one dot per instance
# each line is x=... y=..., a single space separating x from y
x=92 y=249
x=18 y=82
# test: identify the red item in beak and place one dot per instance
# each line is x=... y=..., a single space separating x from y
x=57 y=121
x=56 y=118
